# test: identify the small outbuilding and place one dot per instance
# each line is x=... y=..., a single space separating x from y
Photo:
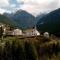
x=46 y=34
x=17 y=32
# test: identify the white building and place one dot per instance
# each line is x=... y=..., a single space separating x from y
x=46 y=34
x=4 y=31
x=31 y=32
x=17 y=32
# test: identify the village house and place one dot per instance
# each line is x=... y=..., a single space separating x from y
x=14 y=32
x=17 y=32
x=46 y=34
x=31 y=32
x=7 y=30
x=2 y=27
x=28 y=32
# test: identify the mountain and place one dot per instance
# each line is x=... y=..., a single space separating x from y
x=10 y=17
x=22 y=19
x=50 y=23
x=38 y=17
x=6 y=20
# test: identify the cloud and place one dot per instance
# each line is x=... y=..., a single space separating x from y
x=32 y=6
x=4 y=3
x=3 y=10
x=36 y=6
x=9 y=5
x=20 y=1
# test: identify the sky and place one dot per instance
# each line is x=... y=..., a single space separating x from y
x=32 y=6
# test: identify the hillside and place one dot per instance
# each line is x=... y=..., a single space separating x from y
x=50 y=23
x=38 y=17
x=22 y=19
x=6 y=20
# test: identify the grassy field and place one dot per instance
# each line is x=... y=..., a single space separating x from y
x=29 y=48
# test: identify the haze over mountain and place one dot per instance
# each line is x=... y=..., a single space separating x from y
x=22 y=19
x=38 y=17
x=50 y=22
